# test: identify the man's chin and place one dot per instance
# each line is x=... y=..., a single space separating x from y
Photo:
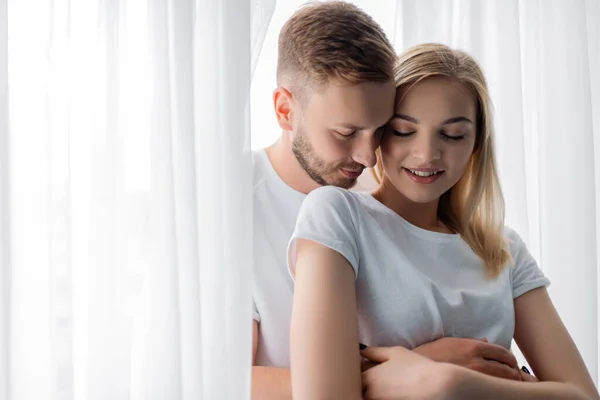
x=344 y=183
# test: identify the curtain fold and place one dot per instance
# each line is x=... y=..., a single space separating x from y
x=224 y=166
x=4 y=211
x=125 y=185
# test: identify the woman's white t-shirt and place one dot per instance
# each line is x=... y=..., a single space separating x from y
x=414 y=286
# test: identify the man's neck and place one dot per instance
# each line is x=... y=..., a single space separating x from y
x=287 y=166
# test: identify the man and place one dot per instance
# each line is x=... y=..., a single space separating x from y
x=335 y=93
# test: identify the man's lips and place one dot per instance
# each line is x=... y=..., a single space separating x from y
x=352 y=174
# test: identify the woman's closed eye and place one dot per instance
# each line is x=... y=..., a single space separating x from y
x=445 y=135
x=453 y=137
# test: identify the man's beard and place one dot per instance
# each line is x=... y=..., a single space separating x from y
x=318 y=169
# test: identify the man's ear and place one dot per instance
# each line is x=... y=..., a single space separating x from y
x=283 y=101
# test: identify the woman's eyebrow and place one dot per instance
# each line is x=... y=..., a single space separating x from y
x=452 y=120
x=406 y=117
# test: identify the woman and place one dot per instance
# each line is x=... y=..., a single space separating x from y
x=425 y=256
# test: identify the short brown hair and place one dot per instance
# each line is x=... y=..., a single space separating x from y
x=333 y=40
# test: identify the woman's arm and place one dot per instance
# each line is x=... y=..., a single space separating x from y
x=405 y=375
x=325 y=359
x=549 y=349
x=547 y=345
x=466 y=384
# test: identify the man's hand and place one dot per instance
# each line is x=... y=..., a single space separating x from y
x=474 y=354
x=402 y=375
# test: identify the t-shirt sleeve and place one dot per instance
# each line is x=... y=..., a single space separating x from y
x=526 y=274
x=328 y=217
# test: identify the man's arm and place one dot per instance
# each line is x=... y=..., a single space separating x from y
x=268 y=383
x=474 y=354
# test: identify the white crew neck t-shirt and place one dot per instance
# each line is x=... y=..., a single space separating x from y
x=276 y=206
x=415 y=286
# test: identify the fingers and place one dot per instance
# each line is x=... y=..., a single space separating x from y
x=498 y=370
x=367 y=377
x=498 y=353
x=377 y=354
x=528 y=377
x=366 y=365
x=370 y=376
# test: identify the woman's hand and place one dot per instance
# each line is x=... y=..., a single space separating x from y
x=527 y=377
x=403 y=374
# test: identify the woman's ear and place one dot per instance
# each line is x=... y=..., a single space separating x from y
x=283 y=101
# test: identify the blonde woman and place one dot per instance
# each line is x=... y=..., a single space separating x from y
x=425 y=256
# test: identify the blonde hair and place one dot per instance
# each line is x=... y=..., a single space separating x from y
x=333 y=40
x=474 y=207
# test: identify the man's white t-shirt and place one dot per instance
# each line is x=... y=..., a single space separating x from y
x=276 y=207
x=415 y=286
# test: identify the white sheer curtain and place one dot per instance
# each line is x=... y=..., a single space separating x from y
x=542 y=61
x=125 y=178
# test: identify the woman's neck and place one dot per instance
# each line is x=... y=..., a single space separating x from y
x=422 y=215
